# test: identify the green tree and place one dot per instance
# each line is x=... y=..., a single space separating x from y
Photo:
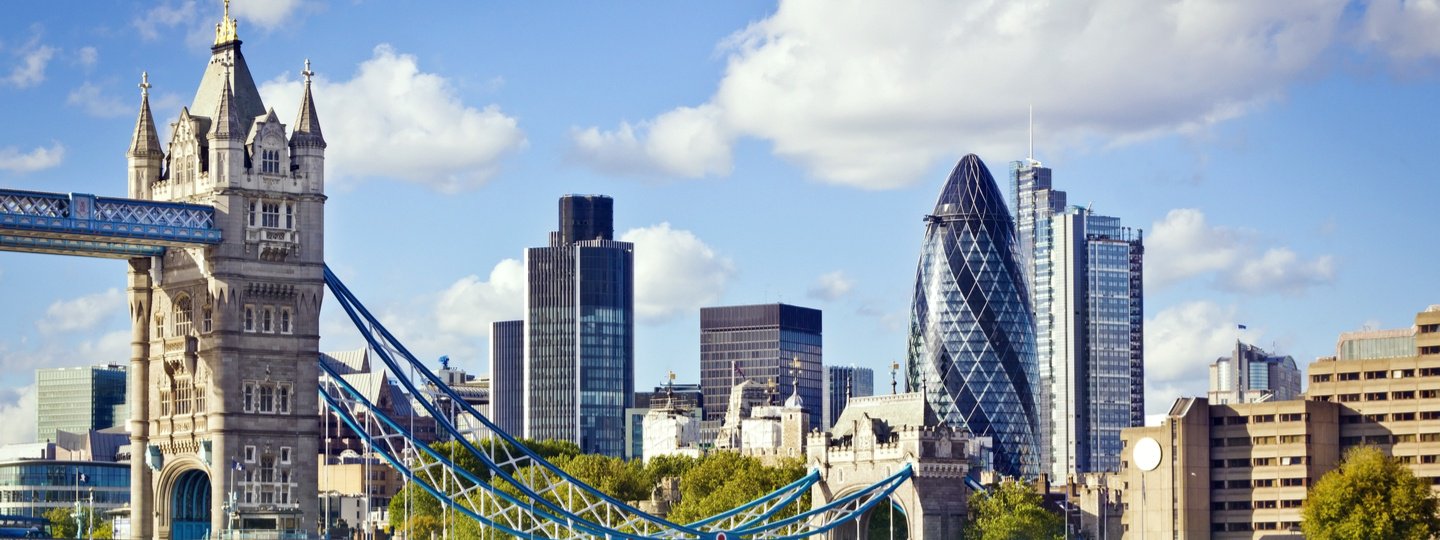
x=62 y=523
x=724 y=480
x=1012 y=511
x=1369 y=496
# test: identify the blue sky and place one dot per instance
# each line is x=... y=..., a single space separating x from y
x=1275 y=155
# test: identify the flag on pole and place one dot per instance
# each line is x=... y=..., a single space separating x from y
x=236 y=465
x=738 y=372
x=1242 y=327
x=84 y=479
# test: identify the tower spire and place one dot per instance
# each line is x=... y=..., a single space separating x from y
x=225 y=29
x=145 y=142
x=307 y=123
x=227 y=124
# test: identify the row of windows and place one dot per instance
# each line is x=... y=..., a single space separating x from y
x=1246 y=483
x=1260 y=419
x=1376 y=374
x=1391 y=439
x=1256 y=526
x=1266 y=504
x=268 y=214
x=1260 y=440
x=267 y=398
x=181 y=318
x=267 y=320
x=1257 y=462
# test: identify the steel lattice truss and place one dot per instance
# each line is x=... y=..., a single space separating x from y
x=522 y=494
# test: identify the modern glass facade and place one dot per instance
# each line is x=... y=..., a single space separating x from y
x=507 y=376
x=1251 y=374
x=841 y=384
x=33 y=487
x=972 y=337
x=79 y=399
x=1085 y=271
x=579 y=330
x=759 y=343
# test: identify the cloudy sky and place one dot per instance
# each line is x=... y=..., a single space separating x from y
x=1272 y=152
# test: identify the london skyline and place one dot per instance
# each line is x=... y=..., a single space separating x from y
x=1274 y=174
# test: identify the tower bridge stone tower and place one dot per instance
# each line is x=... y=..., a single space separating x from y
x=876 y=437
x=226 y=338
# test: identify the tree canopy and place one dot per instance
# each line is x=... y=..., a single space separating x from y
x=1012 y=511
x=1370 y=495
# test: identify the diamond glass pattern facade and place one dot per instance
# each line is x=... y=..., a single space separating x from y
x=972 y=337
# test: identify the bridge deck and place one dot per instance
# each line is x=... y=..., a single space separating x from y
x=110 y=227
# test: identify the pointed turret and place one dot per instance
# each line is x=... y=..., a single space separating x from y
x=145 y=156
x=307 y=124
x=225 y=124
x=307 y=144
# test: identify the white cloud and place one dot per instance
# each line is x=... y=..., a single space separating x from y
x=686 y=142
x=1184 y=245
x=30 y=70
x=20 y=408
x=1180 y=343
x=89 y=98
x=267 y=14
x=163 y=17
x=831 y=286
x=82 y=313
x=14 y=160
x=393 y=120
x=1403 y=29
x=87 y=57
x=675 y=272
x=873 y=95
x=469 y=305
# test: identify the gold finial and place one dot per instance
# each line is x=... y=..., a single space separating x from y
x=307 y=73
x=672 y=376
x=225 y=31
x=144 y=84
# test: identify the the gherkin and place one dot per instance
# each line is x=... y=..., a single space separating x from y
x=972 y=338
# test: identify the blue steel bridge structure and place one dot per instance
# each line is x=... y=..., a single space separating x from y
x=519 y=493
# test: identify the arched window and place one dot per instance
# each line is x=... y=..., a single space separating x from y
x=181 y=316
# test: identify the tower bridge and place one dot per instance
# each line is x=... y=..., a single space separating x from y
x=223 y=233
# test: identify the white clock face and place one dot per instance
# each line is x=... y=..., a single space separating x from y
x=1147 y=454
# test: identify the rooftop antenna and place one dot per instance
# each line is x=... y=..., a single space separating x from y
x=1031 y=154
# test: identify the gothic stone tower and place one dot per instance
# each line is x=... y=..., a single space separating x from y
x=225 y=339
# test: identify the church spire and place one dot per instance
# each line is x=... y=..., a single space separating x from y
x=226 y=125
x=225 y=29
x=307 y=124
x=145 y=143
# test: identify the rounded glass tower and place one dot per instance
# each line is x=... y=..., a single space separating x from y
x=972 y=337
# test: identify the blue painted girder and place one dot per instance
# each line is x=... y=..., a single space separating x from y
x=89 y=226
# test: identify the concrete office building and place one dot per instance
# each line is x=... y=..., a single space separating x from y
x=1251 y=374
x=842 y=383
x=580 y=330
x=764 y=343
x=1242 y=470
x=79 y=399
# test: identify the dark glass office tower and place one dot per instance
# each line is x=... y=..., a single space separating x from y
x=972 y=337
x=579 y=330
x=758 y=343
x=507 y=376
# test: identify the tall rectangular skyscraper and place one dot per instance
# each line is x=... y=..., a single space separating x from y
x=79 y=399
x=760 y=343
x=507 y=375
x=842 y=383
x=579 y=330
x=1086 y=276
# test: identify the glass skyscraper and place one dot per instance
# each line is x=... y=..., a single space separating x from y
x=579 y=330
x=1085 y=272
x=759 y=343
x=842 y=383
x=972 y=338
x=79 y=399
